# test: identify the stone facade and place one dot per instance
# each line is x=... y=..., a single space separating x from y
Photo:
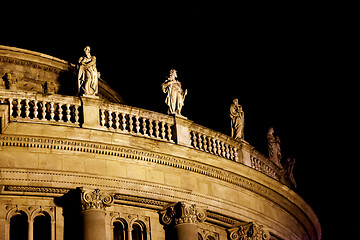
x=92 y=168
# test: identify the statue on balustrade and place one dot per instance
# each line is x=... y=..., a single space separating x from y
x=88 y=74
x=274 y=147
x=237 y=120
x=175 y=96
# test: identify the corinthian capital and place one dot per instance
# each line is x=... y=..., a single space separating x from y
x=248 y=231
x=95 y=199
x=182 y=212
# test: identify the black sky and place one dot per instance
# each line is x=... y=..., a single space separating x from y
x=293 y=65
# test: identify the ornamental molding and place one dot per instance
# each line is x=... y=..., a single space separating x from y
x=95 y=199
x=181 y=212
x=248 y=231
x=31 y=64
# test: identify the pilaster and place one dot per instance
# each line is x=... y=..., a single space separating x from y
x=182 y=130
x=90 y=111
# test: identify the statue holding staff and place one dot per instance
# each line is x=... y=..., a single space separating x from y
x=175 y=96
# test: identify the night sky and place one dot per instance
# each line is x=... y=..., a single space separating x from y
x=293 y=65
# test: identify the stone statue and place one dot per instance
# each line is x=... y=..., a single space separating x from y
x=237 y=120
x=175 y=95
x=274 y=147
x=88 y=75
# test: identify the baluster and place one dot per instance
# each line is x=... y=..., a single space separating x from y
x=123 y=121
x=131 y=121
x=137 y=123
x=209 y=144
x=18 y=108
x=102 y=117
x=157 y=132
x=36 y=109
x=43 y=113
x=11 y=106
x=169 y=132
x=151 y=130
x=214 y=145
x=60 y=110
x=52 y=111
x=194 y=139
x=144 y=126
x=227 y=147
x=218 y=147
x=68 y=111
x=223 y=149
x=163 y=130
x=205 y=143
x=76 y=114
x=117 y=120
x=200 y=141
x=236 y=154
x=27 y=108
x=110 y=119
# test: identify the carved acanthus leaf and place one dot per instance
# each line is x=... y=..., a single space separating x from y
x=248 y=231
x=182 y=212
x=95 y=199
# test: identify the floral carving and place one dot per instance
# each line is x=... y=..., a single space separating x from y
x=182 y=212
x=248 y=231
x=95 y=199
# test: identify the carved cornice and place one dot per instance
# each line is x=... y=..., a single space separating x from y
x=248 y=231
x=182 y=212
x=31 y=64
x=95 y=199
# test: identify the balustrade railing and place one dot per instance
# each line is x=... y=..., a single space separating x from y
x=126 y=119
x=67 y=110
x=24 y=106
x=213 y=142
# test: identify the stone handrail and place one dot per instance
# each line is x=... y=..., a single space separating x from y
x=35 y=107
x=213 y=142
x=137 y=121
x=71 y=111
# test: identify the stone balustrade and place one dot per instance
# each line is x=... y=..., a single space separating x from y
x=34 y=107
x=127 y=119
x=118 y=118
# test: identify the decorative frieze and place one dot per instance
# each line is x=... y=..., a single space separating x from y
x=181 y=212
x=95 y=199
x=248 y=231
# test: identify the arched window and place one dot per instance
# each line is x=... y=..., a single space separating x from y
x=120 y=230
x=42 y=227
x=138 y=231
x=19 y=227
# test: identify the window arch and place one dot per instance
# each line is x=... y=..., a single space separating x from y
x=19 y=226
x=120 y=230
x=42 y=227
x=138 y=231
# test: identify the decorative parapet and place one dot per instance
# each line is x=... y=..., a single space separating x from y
x=71 y=111
x=210 y=141
x=248 y=231
x=137 y=121
x=181 y=212
x=95 y=199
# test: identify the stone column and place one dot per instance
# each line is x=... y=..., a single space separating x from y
x=248 y=230
x=93 y=204
x=180 y=220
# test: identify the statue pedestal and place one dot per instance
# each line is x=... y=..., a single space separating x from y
x=182 y=130
x=90 y=110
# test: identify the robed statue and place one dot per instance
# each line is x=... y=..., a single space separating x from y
x=274 y=147
x=175 y=96
x=237 y=120
x=88 y=74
